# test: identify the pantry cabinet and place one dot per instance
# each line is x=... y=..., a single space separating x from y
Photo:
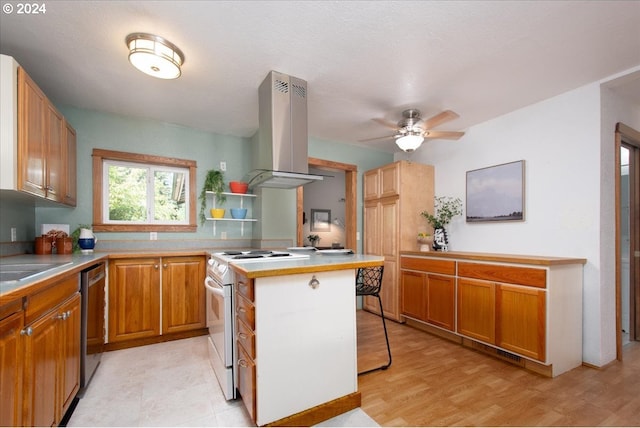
x=51 y=376
x=527 y=309
x=38 y=144
x=135 y=289
x=395 y=195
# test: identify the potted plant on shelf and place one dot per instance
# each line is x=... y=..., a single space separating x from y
x=446 y=208
x=213 y=182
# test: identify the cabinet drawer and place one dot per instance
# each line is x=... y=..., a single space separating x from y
x=244 y=286
x=10 y=308
x=42 y=301
x=247 y=381
x=510 y=274
x=246 y=311
x=247 y=338
x=446 y=267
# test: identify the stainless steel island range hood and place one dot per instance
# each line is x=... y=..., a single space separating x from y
x=281 y=156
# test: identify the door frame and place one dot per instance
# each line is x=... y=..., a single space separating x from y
x=350 y=192
x=631 y=137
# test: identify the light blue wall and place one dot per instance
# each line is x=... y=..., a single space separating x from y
x=113 y=132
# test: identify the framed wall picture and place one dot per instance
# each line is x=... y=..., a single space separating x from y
x=496 y=193
x=320 y=220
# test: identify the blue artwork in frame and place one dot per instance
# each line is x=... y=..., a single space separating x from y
x=496 y=193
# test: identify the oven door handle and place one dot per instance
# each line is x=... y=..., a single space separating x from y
x=213 y=288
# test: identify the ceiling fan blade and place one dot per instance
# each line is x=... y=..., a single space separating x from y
x=388 y=137
x=386 y=123
x=443 y=135
x=440 y=118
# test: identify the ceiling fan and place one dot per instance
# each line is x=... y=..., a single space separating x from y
x=412 y=130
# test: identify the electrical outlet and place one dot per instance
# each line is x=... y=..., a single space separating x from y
x=223 y=235
x=14 y=238
x=223 y=166
x=357 y=236
x=153 y=236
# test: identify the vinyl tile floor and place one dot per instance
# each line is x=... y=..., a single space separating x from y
x=167 y=384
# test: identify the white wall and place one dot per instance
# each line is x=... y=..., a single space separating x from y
x=561 y=143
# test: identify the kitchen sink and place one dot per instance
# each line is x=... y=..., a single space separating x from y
x=20 y=271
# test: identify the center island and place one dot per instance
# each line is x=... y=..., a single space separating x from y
x=296 y=337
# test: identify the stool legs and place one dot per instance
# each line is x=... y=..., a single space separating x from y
x=386 y=336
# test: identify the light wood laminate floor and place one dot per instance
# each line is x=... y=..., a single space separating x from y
x=434 y=382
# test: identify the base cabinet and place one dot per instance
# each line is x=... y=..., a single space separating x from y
x=314 y=362
x=51 y=340
x=11 y=363
x=136 y=310
x=527 y=306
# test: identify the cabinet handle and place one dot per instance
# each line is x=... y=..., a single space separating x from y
x=243 y=364
x=314 y=283
x=63 y=316
x=241 y=309
x=242 y=336
x=155 y=266
x=26 y=332
x=165 y=265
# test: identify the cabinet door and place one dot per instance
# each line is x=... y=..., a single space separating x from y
x=477 y=309
x=521 y=320
x=372 y=244
x=389 y=214
x=69 y=166
x=390 y=180
x=413 y=294
x=134 y=299
x=11 y=361
x=31 y=136
x=183 y=294
x=54 y=133
x=42 y=356
x=441 y=301
x=70 y=359
x=371 y=185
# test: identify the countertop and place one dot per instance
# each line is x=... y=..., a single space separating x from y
x=10 y=291
x=315 y=263
x=494 y=257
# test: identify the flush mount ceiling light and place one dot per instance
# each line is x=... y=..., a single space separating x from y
x=410 y=141
x=154 y=55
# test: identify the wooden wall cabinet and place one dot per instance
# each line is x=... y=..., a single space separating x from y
x=527 y=305
x=135 y=287
x=38 y=145
x=51 y=339
x=395 y=195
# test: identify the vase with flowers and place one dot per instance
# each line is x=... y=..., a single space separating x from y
x=446 y=208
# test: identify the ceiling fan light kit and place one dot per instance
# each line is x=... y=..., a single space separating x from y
x=154 y=55
x=410 y=142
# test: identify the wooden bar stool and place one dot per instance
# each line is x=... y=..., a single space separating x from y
x=369 y=283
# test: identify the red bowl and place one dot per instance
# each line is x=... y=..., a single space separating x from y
x=238 y=186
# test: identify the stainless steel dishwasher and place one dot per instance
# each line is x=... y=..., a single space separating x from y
x=92 y=289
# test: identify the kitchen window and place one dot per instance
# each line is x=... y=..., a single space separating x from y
x=134 y=192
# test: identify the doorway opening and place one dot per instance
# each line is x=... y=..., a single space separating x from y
x=627 y=195
x=350 y=195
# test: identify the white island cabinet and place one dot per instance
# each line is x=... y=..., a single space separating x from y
x=297 y=340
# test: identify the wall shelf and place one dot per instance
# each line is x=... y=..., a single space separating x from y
x=242 y=221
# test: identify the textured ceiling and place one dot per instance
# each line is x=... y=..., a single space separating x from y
x=361 y=59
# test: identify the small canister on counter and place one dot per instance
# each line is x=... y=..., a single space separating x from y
x=43 y=245
x=64 y=245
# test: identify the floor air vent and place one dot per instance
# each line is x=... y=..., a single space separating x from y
x=499 y=353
